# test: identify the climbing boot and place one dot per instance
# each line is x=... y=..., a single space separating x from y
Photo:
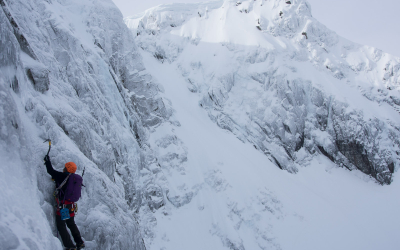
x=80 y=245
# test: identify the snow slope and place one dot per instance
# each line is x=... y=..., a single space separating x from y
x=227 y=195
x=240 y=200
x=274 y=76
x=307 y=103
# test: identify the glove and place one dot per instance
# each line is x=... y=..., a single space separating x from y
x=46 y=159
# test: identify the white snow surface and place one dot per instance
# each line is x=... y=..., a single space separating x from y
x=181 y=122
x=240 y=200
x=273 y=75
x=246 y=65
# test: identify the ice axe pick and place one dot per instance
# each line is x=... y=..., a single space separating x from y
x=48 y=140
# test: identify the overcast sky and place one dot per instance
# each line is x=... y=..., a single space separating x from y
x=370 y=22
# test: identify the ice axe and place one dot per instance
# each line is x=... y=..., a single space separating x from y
x=48 y=140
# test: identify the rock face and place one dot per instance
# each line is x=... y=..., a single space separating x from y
x=281 y=80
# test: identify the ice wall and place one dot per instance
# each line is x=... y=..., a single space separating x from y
x=70 y=72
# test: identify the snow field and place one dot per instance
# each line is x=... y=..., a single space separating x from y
x=320 y=207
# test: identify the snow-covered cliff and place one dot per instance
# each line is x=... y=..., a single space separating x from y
x=70 y=72
x=274 y=76
x=296 y=97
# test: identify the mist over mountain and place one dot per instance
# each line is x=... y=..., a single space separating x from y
x=219 y=125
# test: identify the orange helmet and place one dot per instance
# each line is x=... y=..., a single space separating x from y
x=71 y=167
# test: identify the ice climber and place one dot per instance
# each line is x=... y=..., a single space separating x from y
x=68 y=185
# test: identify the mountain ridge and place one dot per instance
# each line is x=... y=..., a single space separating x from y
x=277 y=34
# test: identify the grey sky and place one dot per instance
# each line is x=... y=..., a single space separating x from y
x=369 y=22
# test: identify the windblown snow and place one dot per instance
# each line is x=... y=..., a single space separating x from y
x=222 y=125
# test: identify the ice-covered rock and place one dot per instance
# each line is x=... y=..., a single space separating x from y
x=70 y=72
x=270 y=73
